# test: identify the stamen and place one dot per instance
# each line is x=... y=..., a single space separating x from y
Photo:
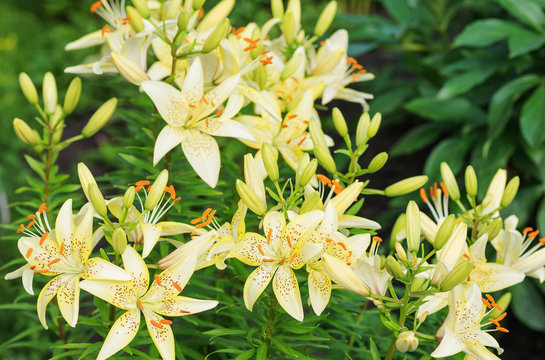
x=165 y=321
x=192 y=106
x=293 y=116
x=501 y=317
x=54 y=261
x=266 y=61
x=378 y=239
x=466 y=256
x=157 y=279
x=236 y=31
x=220 y=111
x=31 y=216
x=96 y=5
x=497 y=306
x=533 y=234
x=139 y=303
x=294 y=79
x=21 y=229
x=293 y=257
x=443 y=188
x=268 y=260
x=201 y=13
x=41 y=271
x=62 y=249
x=29 y=252
x=323 y=179
x=260 y=249
x=527 y=230
x=282 y=261
x=30 y=224
x=42 y=208
x=177 y=286
x=204 y=99
x=423 y=195
x=341 y=244
x=156 y=324
x=502 y=329
x=289 y=241
x=44 y=236
x=328 y=240
x=486 y=303
x=269 y=237
x=337 y=186
x=283 y=126
x=493 y=321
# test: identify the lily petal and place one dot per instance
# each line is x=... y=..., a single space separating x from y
x=99 y=269
x=167 y=139
x=168 y=283
x=193 y=83
x=121 y=294
x=48 y=292
x=151 y=233
x=181 y=305
x=226 y=128
x=300 y=228
x=64 y=228
x=351 y=221
x=68 y=299
x=286 y=290
x=83 y=236
x=256 y=283
x=169 y=102
x=136 y=267
x=478 y=351
x=493 y=277
x=273 y=223
x=121 y=334
x=304 y=254
x=449 y=346
x=161 y=334
x=252 y=249
x=319 y=290
x=202 y=152
x=344 y=275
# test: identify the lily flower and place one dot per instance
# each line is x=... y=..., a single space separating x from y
x=64 y=253
x=285 y=248
x=159 y=300
x=462 y=331
x=188 y=115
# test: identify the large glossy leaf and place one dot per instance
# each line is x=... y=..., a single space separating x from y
x=416 y=139
x=452 y=151
x=526 y=11
x=522 y=41
x=482 y=33
x=532 y=118
x=445 y=109
x=464 y=82
x=528 y=305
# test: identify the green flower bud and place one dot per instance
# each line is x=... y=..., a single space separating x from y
x=291 y=66
x=325 y=159
x=172 y=9
x=503 y=303
x=456 y=276
x=71 y=98
x=510 y=191
x=444 y=232
x=362 y=129
x=137 y=22
x=412 y=228
x=57 y=116
x=99 y=118
x=406 y=186
x=399 y=226
x=493 y=229
x=85 y=179
x=294 y=6
x=450 y=182
x=393 y=267
x=215 y=38
x=400 y=251
x=269 y=160
x=182 y=21
x=377 y=162
x=49 y=89
x=97 y=200
x=128 y=198
x=197 y=4
x=471 y=181
x=308 y=173
x=406 y=341
x=119 y=241
x=25 y=133
x=277 y=8
x=59 y=127
x=339 y=122
x=312 y=202
x=326 y=18
x=250 y=198
x=28 y=88
x=142 y=7
x=157 y=190
x=261 y=77
x=417 y=284
x=374 y=125
x=289 y=27
x=216 y=15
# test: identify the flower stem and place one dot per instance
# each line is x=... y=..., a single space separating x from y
x=270 y=325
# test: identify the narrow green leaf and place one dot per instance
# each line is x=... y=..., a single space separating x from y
x=35 y=165
x=375 y=355
x=262 y=351
x=464 y=82
x=416 y=139
x=482 y=33
x=532 y=118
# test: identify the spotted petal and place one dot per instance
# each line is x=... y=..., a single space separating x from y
x=151 y=233
x=192 y=90
x=449 y=346
x=256 y=283
x=181 y=305
x=99 y=269
x=319 y=290
x=121 y=334
x=64 y=228
x=344 y=275
x=169 y=102
x=68 y=299
x=202 y=152
x=167 y=139
x=48 y=292
x=168 y=283
x=252 y=249
x=304 y=254
x=83 y=236
x=273 y=224
x=136 y=267
x=226 y=128
x=300 y=228
x=121 y=294
x=493 y=277
x=161 y=334
x=286 y=290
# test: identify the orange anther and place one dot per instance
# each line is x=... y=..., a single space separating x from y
x=349 y=263
x=31 y=216
x=302 y=141
x=30 y=224
x=149 y=188
x=289 y=241
x=251 y=47
x=41 y=271
x=292 y=116
x=96 y=5
x=21 y=229
x=44 y=236
x=283 y=126
x=288 y=141
x=493 y=321
x=165 y=321
x=156 y=324
x=527 y=230
x=266 y=61
x=220 y=111
x=192 y=106
x=486 y=303
x=54 y=261
x=176 y=200
x=142 y=183
x=338 y=186
x=502 y=329
x=212 y=103
x=61 y=249
x=443 y=188
x=341 y=244
x=206 y=122
x=328 y=240
x=282 y=261
x=349 y=253
x=139 y=303
x=378 y=239
x=265 y=52
x=323 y=179
x=29 y=252
x=42 y=208
x=204 y=99
x=542 y=241
x=269 y=237
x=201 y=13
x=423 y=195
x=33 y=267
x=490 y=298
x=354 y=77
x=533 y=234
x=157 y=279
x=106 y=29
x=126 y=20
x=501 y=317
x=197 y=220
x=497 y=306
x=177 y=286
x=293 y=257
x=362 y=71
x=237 y=31
x=294 y=79
x=322 y=43
x=260 y=249
x=268 y=260
x=466 y=256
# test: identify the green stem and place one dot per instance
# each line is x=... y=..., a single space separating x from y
x=402 y=318
x=270 y=325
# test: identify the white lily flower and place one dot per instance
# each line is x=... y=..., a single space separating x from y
x=159 y=300
x=450 y=253
x=189 y=123
x=492 y=200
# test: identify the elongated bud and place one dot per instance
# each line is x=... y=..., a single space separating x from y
x=250 y=198
x=128 y=69
x=99 y=118
x=49 y=89
x=308 y=173
x=119 y=240
x=326 y=18
x=406 y=342
x=510 y=191
x=142 y=7
x=292 y=66
x=378 y=162
x=197 y=4
x=288 y=27
x=270 y=162
x=417 y=284
x=277 y=8
x=28 y=88
x=71 y=98
x=399 y=226
x=261 y=77
x=444 y=232
x=85 y=179
x=493 y=229
x=450 y=181
x=59 y=127
x=157 y=190
x=400 y=251
x=413 y=226
x=325 y=159
x=216 y=15
x=172 y=9
x=393 y=267
x=502 y=303
x=25 y=133
x=374 y=125
x=97 y=200
x=219 y=33
x=312 y=202
x=362 y=129
x=137 y=22
x=471 y=181
x=456 y=276
x=294 y=6
x=406 y=186
x=182 y=21
x=128 y=198
x=56 y=117
x=339 y=122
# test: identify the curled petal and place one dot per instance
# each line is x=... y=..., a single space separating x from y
x=48 y=292
x=121 y=334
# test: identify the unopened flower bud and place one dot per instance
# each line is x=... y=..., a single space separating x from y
x=214 y=39
x=28 y=88
x=400 y=251
x=289 y=27
x=85 y=179
x=57 y=116
x=119 y=241
x=132 y=72
x=502 y=303
x=142 y=7
x=377 y=162
x=406 y=186
x=312 y=202
x=417 y=284
x=326 y=18
x=295 y=7
x=374 y=125
x=291 y=66
x=269 y=161
x=261 y=77
x=444 y=232
x=182 y=21
x=157 y=190
x=128 y=198
x=71 y=98
x=471 y=181
x=339 y=122
x=197 y=4
x=399 y=226
x=362 y=129
x=250 y=198
x=49 y=89
x=137 y=22
x=25 y=133
x=99 y=118
x=216 y=15
x=493 y=229
x=325 y=159
x=406 y=341
x=277 y=8
x=97 y=200
x=172 y=8
x=456 y=276
x=413 y=226
x=393 y=267
x=450 y=181
x=510 y=191
x=308 y=173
